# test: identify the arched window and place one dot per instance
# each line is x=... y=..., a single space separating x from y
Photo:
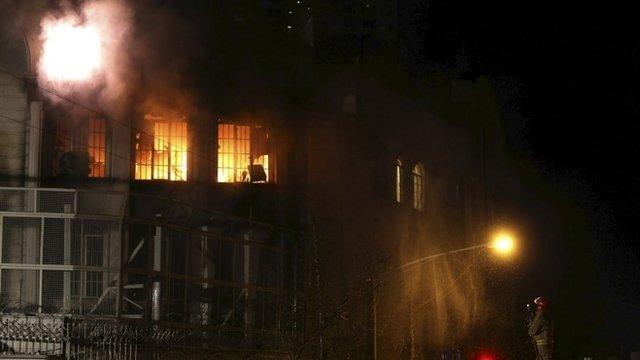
x=418 y=187
x=399 y=181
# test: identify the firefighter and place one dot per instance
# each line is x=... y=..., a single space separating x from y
x=541 y=330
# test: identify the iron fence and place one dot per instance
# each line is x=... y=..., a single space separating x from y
x=80 y=338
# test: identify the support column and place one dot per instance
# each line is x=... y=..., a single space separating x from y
x=157 y=267
x=250 y=295
x=205 y=314
x=66 y=287
x=33 y=145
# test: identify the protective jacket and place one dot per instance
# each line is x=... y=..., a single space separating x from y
x=541 y=330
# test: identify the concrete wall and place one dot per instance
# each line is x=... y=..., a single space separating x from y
x=13 y=129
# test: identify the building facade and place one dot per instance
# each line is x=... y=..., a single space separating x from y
x=265 y=221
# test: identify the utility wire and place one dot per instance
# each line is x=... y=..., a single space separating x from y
x=107 y=117
x=123 y=157
x=128 y=159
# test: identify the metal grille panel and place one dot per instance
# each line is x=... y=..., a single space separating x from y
x=21 y=240
x=19 y=290
x=56 y=201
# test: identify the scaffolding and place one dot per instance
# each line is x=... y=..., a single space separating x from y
x=139 y=264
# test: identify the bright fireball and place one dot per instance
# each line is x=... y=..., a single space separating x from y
x=71 y=52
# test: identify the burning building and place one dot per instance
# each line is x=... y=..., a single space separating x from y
x=144 y=218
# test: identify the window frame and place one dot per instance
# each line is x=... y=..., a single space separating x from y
x=399 y=181
x=80 y=137
x=149 y=170
x=238 y=150
x=418 y=179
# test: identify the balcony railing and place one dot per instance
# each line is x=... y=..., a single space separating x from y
x=57 y=202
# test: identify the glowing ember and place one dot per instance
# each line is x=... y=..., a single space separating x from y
x=70 y=52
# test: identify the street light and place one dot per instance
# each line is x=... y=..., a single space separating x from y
x=503 y=243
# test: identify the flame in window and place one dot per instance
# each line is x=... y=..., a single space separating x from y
x=234 y=154
x=162 y=156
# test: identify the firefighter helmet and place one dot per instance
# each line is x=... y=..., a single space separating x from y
x=541 y=302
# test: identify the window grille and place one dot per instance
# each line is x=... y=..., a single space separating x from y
x=162 y=156
x=88 y=136
x=234 y=154
x=97 y=147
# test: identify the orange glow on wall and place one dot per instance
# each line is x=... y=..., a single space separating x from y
x=162 y=156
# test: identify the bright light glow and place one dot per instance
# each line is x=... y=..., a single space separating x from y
x=71 y=52
x=234 y=151
x=503 y=243
x=162 y=155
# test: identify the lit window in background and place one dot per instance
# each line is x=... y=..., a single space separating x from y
x=162 y=156
x=234 y=151
x=399 y=181
x=418 y=187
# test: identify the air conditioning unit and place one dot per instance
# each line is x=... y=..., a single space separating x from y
x=75 y=164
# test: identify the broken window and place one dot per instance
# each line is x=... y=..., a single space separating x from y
x=418 y=187
x=162 y=155
x=237 y=150
x=399 y=181
x=81 y=147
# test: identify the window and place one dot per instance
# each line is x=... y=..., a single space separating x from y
x=399 y=181
x=418 y=187
x=97 y=147
x=85 y=141
x=235 y=149
x=163 y=155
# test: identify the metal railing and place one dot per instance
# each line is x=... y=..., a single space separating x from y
x=61 y=202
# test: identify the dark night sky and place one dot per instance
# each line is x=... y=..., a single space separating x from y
x=567 y=75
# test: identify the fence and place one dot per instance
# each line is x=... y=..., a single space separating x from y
x=94 y=338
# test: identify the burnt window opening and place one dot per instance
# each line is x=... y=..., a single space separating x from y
x=81 y=147
x=243 y=154
x=418 y=187
x=399 y=181
x=162 y=153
